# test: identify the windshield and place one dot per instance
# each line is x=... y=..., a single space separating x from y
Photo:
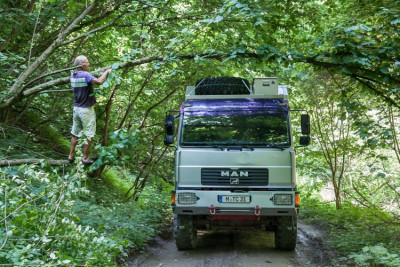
x=235 y=127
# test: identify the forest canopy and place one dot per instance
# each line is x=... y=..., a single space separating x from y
x=167 y=39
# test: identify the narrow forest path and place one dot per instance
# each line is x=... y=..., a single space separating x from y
x=238 y=248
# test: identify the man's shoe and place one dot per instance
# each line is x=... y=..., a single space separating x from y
x=88 y=161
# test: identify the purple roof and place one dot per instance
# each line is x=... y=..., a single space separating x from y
x=226 y=106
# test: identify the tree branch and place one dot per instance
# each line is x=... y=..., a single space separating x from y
x=28 y=71
x=135 y=98
x=49 y=74
x=381 y=94
x=92 y=31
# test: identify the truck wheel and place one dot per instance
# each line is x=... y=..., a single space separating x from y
x=222 y=86
x=286 y=233
x=184 y=232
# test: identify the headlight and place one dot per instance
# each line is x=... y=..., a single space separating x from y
x=187 y=198
x=283 y=199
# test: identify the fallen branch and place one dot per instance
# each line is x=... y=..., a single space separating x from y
x=16 y=162
x=5 y=221
x=57 y=91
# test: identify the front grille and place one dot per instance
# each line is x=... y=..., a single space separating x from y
x=240 y=177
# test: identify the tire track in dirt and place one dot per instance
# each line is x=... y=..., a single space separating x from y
x=238 y=248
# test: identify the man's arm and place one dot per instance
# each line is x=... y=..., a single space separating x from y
x=102 y=78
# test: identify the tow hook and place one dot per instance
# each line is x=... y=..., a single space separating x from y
x=211 y=209
x=257 y=212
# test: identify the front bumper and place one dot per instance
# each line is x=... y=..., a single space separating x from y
x=261 y=203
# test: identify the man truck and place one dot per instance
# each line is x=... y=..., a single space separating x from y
x=235 y=159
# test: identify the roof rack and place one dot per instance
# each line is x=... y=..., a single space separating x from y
x=263 y=87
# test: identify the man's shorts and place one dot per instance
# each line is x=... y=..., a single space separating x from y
x=84 y=122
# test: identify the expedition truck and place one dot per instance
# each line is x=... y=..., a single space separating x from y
x=235 y=159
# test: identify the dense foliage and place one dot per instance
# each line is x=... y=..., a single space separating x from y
x=51 y=217
x=339 y=59
x=365 y=235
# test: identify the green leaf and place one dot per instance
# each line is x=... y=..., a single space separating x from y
x=218 y=18
x=352 y=28
x=206 y=20
x=115 y=66
x=374 y=142
x=381 y=175
x=259 y=21
x=395 y=21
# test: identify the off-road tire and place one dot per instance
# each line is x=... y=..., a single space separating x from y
x=184 y=232
x=286 y=232
x=222 y=86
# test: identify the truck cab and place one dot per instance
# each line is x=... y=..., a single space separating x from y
x=235 y=160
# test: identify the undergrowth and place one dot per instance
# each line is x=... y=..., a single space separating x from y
x=368 y=238
x=131 y=223
x=56 y=216
x=17 y=144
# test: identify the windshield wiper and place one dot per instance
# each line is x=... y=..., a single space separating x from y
x=233 y=147
x=196 y=144
x=276 y=146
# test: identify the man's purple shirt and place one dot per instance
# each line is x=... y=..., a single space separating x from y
x=81 y=82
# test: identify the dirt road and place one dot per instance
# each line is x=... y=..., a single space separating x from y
x=237 y=248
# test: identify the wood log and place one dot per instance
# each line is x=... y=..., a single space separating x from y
x=14 y=162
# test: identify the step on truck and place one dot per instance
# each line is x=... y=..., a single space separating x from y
x=235 y=159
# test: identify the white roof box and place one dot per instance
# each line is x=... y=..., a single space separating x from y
x=268 y=86
x=265 y=86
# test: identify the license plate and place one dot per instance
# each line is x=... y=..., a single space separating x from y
x=234 y=199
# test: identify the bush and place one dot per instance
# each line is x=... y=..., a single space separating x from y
x=51 y=218
x=353 y=229
x=376 y=256
x=38 y=226
x=132 y=223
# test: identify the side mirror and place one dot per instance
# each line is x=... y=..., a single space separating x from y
x=168 y=140
x=169 y=125
x=305 y=124
x=169 y=129
x=305 y=140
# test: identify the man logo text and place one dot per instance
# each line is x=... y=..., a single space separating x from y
x=234 y=174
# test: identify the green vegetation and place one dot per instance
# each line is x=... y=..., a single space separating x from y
x=356 y=233
x=53 y=218
x=60 y=216
x=338 y=58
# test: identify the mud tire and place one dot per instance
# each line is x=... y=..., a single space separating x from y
x=184 y=232
x=286 y=233
x=222 y=86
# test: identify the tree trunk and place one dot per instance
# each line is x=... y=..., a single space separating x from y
x=338 y=200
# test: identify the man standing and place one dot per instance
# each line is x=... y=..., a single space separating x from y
x=84 y=118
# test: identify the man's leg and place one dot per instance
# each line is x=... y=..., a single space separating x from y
x=74 y=141
x=86 y=149
x=76 y=129
x=89 y=132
